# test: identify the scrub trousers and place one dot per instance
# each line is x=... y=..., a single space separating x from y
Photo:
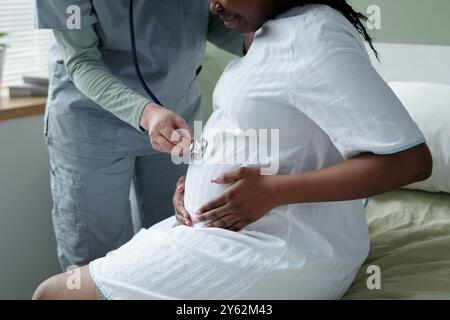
x=91 y=201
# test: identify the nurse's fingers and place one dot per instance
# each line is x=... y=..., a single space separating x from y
x=183 y=128
x=185 y=133
x=160 y=143
x=177 y=130
x=154 y=142
x=171 y=135
x=176 y=139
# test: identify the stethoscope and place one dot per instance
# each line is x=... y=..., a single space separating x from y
x=198 y=146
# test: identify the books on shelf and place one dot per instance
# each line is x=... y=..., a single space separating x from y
x=32 y=86
x=37 y=80
x=27 y=90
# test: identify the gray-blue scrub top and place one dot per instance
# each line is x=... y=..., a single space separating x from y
x=171 y=37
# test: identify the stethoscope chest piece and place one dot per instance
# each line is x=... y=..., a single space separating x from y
x=198 y=148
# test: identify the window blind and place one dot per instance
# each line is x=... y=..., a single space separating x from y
x=28 y=49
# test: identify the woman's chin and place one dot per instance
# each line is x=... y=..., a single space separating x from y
x=234 y=25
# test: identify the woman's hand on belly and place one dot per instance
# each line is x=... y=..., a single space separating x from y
x=178 y=203
x=250 y=198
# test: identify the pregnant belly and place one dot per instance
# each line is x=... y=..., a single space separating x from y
x=199 y=189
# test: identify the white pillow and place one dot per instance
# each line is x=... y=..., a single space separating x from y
x=429 y=106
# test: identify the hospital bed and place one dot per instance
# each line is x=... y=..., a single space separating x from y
x=410 y=243
x=409 y=228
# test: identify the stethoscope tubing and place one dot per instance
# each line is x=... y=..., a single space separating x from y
x=135 y=56
x=197 y=147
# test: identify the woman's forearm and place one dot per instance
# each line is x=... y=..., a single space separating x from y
x=79 y=49
x=358 y=178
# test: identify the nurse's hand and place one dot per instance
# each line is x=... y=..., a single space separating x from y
x=250 y=198
x=166 y=129
x=178 y=203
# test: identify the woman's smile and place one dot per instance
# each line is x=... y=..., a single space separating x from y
x=230 y=20
x=247 y=16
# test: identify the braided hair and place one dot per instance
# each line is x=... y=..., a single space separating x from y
x=355 y=18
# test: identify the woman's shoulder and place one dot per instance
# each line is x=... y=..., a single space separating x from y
x=315 y=16
x=319 y=30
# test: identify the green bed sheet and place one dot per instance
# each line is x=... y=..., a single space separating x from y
x=410 y=242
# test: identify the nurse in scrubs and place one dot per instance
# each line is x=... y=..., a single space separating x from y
x=99 y=119
x=297 y=234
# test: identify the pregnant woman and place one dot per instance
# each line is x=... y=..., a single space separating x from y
x=298 y=234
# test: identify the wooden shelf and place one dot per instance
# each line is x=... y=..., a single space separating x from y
x=13 y=108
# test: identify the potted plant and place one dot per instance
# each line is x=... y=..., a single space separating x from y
x=2 y=55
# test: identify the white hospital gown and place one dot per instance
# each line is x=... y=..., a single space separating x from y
x=308 y=75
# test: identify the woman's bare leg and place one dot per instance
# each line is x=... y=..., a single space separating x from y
x=77 y=285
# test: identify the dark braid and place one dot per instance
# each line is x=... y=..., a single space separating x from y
x=355 y=18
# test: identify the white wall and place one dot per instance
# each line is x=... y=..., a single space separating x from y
x=27 y=244
x=410 y=62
